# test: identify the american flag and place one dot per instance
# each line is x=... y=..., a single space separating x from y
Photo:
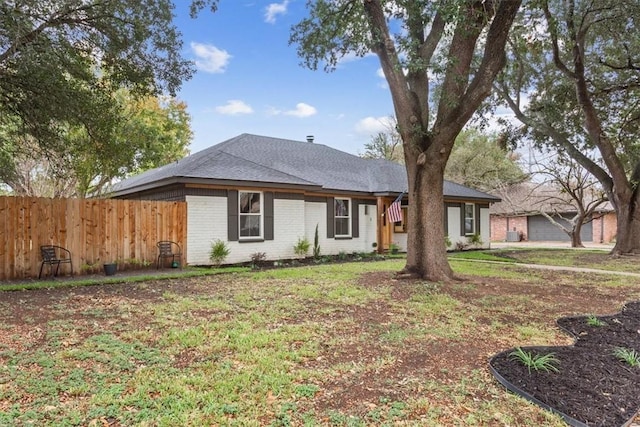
x=394 y=212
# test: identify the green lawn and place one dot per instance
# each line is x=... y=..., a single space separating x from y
x=559 y=257
x=334 y=344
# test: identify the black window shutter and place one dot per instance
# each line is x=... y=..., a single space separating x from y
x=268 y=215
x=355 y=219
x=446 y=219
x=462 y=214
x=477 y=219
x=331 y=223
x=232 y=215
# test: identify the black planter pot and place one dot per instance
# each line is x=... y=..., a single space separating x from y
x=110 y=269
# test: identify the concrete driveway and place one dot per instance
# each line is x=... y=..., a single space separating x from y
x=562 y=245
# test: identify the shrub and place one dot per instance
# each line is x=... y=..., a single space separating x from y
x=302 y=247
x=474 y=240
x=219 y=252
x=257 y=258
x=461 y=246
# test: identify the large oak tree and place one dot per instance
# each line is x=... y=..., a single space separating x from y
x=439 y=59
x=579 y=64
x=150 y=132
x=61 y=61
x=479 y=161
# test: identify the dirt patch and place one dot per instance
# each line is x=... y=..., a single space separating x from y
x=443 y=360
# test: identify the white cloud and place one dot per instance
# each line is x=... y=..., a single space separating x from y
x=210 y=58
x=275 y=9
x=382 y=83
x=234 y=107
x=374 y=125
x=302 y=110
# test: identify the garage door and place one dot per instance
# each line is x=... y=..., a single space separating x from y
x=540 y=229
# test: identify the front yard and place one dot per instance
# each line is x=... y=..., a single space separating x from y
x=338 y=344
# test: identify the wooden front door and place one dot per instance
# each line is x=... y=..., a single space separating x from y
x=384 y=226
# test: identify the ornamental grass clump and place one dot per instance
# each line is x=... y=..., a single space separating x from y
x=594 y=321
x=627 y=355
x=537 y=362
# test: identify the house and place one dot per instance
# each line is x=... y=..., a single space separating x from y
x=261 y=194
x=518 y=216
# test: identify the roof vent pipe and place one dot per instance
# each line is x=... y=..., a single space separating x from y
x=309 y=138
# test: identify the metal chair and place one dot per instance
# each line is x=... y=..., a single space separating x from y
x=168 y=249
x=54 y=255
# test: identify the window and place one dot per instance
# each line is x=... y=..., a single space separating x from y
x=469 y=219
x=342 y=217
x=401 y=226
x=250 y=215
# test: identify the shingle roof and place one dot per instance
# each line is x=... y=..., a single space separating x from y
x=262 y=159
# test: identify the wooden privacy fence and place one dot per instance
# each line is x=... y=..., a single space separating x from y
x=96 y=231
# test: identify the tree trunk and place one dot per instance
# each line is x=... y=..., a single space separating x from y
x=576 y=230
x=465 y=85
x=628 y=233
x=426 y=251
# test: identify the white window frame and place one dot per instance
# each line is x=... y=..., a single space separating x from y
x=336 y=217
x=247 y=214
x=472 y=218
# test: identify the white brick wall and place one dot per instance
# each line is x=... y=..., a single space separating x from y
x=293 y=219
x=316 y=213
x=453 y=226
x=206 y=221
x=485 y=227
x=368 y=224
x=400 y=239
x=288 y=226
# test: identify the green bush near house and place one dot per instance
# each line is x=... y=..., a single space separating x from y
x=447 y=241
x=475 y=240
x=302 y=247
x=219 y=252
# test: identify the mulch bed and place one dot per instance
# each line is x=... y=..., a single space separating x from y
x=592 y=387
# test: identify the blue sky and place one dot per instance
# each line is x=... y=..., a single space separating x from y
x=249 y=80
